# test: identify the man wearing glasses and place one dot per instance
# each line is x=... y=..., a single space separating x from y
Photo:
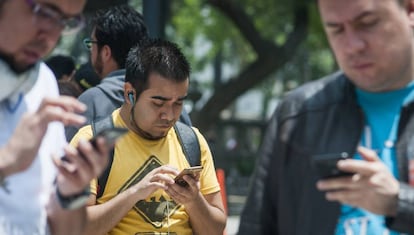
x=40 y=193
x=115 y=31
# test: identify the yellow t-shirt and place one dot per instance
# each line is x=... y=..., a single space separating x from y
x=134 y=157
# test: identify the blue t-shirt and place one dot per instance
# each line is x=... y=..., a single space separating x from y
x=382 y=114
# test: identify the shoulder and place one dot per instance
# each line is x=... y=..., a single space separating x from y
x=197 y=132
x=45 y=86
x=45 y=72
x=329 y=86
x=91 y=92
x=316 y=95
x=46 y=79
x=90 y=95
x=83 y=133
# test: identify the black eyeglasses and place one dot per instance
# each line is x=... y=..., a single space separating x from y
x=88 y=43
x=46 y=15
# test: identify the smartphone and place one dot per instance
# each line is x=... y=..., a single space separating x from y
x=193 y=171
x=110 y=135
x=325 y=165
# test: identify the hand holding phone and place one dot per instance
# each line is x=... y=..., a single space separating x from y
x=326 y=165
x=192 y=171
x=110 y=135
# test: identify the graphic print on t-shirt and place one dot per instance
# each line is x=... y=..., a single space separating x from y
x=156 y=208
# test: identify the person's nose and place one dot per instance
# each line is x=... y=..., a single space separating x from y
x=168 y=113
x=354 y=41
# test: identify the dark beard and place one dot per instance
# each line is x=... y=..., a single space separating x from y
x=12 y=64
x=141 y=132
x=98 y=66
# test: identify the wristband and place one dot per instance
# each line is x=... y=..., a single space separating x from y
x=74 y=201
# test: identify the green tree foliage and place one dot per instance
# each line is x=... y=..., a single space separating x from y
x=264 y=41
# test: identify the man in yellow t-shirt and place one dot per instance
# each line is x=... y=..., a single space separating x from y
x=140 y=195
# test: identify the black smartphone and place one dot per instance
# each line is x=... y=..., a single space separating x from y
x=110 y=135
x=194 y=171
x=325 y=165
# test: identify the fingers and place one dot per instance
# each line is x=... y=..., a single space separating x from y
x=187 y=194
x=163 y=174
x=372 y=186
x=368 y=154
x=63 y=109
x=166 y=169
x=192 y=181
x=68 y=103
x=344 y=189
x=346 y=197
x=97 y=157
x=81 y=165
x=162 y=178
x=371 y=164
x=377 y=194
x=338 y=183
x=158 y=178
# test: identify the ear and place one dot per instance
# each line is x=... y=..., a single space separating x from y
x=106 y=53
x=127 y=90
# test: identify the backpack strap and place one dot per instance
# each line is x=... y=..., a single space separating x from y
x=189 y=143
x=97 y=127
x=185 y=134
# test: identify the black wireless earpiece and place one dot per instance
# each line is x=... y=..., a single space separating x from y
x=131 y=97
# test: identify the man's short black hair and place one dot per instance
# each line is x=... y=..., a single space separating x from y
x=61 y=65
x=120 y=27
x=155 y=56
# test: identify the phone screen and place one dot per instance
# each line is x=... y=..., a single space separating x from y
x=325 y=164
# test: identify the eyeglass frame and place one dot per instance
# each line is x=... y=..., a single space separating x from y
x=59 y=20
x=87 y=42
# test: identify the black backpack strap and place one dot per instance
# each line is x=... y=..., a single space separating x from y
x=189 y=143
x=185 y=134
x=97 y=127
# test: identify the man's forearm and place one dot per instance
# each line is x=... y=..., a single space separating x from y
x=102 y=218
x=8 y=163
x=205 y=218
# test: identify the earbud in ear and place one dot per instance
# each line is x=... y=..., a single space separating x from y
x=131 y=97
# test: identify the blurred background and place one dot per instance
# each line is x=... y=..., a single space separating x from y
x=245 y=54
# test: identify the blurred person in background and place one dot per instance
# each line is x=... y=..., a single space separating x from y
x=365 y=110
x=62 y=66
x=69 y=88
x=39 y=195
x=114 y=32
x=86 y=77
